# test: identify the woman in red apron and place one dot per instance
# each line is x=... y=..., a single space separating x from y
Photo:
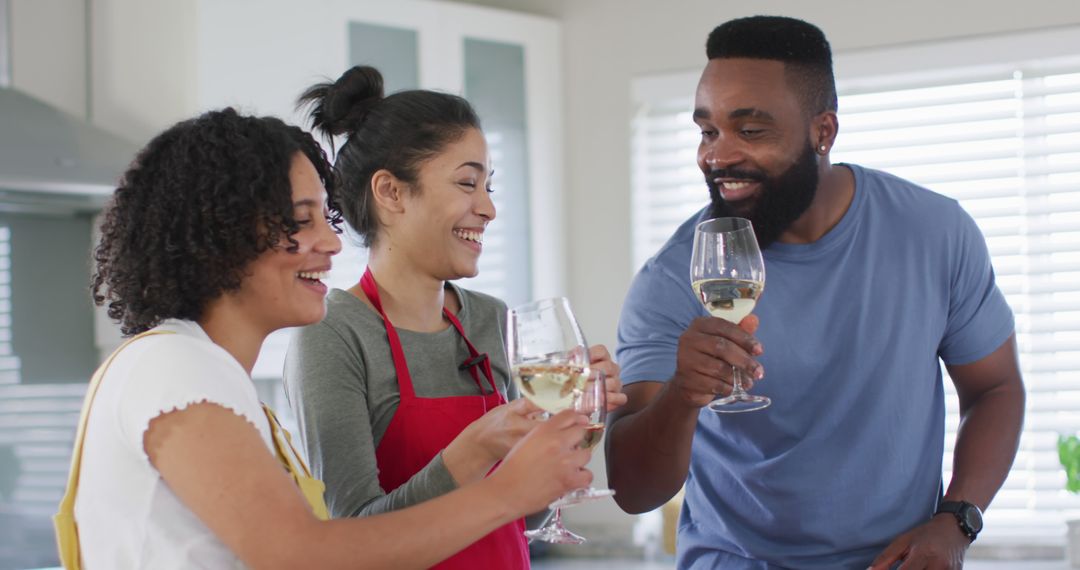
x=219 y=234
x=386 y=423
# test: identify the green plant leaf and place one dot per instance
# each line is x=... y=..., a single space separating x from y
x=1069 y=454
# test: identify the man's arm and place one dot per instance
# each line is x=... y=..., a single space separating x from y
x=648 y=443
x=648 y=447
x=991 y=394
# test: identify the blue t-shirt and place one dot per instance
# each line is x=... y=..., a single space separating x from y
x=849 y=454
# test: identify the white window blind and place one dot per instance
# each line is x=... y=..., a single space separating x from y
x=1004 y=140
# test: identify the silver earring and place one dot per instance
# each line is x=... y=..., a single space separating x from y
x=821 y=149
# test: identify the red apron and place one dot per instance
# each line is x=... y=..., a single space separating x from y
x=423 y=427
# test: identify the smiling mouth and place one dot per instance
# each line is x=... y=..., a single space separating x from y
x=313 y=276
x=475 y=237
x=736 y=190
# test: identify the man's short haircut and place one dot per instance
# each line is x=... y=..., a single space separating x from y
x=800 y=46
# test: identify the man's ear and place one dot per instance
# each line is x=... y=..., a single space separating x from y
x=823 y=129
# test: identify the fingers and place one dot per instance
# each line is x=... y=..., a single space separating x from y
x=892 y=553
x=717 y=376
x=913 y=563
x=750 y=324
x=610 y=370
x=600 y=359
x=566 y=420
x=581 y=477
x=727 y=343
x=545 y=464
x=616 y=400
x=524 y=407
x=599 y=353
x=730 y=332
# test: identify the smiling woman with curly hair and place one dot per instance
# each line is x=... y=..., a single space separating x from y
x=220 y=233
x=200 y=203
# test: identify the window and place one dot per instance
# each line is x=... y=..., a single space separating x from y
x=46 y=353
x=1003 y=138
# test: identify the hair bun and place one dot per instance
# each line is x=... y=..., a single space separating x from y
x=339 y=107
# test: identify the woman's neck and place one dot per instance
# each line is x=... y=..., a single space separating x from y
x=411 y=298
x=232 y=330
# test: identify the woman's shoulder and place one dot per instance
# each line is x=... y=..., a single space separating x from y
x=175 y=344
x=170 y=371
x=346 y=317
x=475 y=301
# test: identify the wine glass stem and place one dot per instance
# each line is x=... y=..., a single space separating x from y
x=736 y=382
x=556 y=519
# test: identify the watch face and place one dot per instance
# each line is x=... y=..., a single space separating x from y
x=973 y=518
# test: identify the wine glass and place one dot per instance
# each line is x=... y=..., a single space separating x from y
x=549 y=360
x=590 y=402
x=727 y=274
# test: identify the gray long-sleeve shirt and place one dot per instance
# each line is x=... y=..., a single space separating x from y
x=341 y=383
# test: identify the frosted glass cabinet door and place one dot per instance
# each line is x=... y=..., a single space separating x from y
x=495 y=85
x=392 y=50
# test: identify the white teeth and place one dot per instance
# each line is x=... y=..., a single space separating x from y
x=314 y=275
x=477 y=237
x=735 y=185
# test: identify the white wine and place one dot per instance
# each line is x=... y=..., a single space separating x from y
x=729 y=299
x=593 y=433
x=552 y=387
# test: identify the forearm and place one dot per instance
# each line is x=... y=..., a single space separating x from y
x=986 y=444
x=417 y=537
x=465 y=462
x=433 y=481
x=648 y=452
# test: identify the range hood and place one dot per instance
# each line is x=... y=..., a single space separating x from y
x=50 y=161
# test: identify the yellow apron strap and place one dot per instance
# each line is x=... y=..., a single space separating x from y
x=67 y=533
x=310 y=487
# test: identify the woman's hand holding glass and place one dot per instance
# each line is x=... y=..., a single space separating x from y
x=600 y=360
x=545 y=464
x=486 y=441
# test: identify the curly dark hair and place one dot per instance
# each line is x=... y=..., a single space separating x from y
x=396 y=132
x=200 y=202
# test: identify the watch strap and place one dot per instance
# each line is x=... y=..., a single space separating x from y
x=958 y=510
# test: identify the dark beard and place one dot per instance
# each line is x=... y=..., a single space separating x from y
x=781 y=201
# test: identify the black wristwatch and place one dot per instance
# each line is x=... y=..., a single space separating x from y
x=967 y=515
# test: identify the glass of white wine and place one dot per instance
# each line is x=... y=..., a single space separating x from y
x=549 y=361
x=727 y=274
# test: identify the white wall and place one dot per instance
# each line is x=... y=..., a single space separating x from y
x=48 y=52
x=143 y=65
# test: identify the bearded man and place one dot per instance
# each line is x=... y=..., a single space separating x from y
x=873 y=282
